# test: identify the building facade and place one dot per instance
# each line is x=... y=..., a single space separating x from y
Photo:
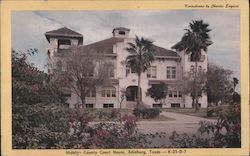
x=168 y=67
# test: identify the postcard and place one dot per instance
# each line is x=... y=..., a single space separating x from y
x=84 y=78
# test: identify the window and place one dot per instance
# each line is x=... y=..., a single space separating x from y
x=170 y=94
x=64 y=44
x=89 y=105
x=91 y=93
x=157 y=105
x=122 y=33
x=175 y=105
x=180 y=94
x=108 y=105
x=171 y=72
x=113 y=93
x=151 y=72
x=175 y=94
x=129 y=70
x=109 y=92
x=103 y=93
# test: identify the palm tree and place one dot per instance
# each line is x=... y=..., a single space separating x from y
x=194 y=41
x=140 y=58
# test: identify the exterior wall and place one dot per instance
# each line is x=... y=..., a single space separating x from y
x=186 y=66
x=182 y=66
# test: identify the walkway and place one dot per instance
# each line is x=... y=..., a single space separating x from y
x=181 y=124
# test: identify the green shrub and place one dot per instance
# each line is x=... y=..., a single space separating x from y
x=146 y=113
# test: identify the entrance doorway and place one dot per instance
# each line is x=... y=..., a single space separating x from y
x=131 y=93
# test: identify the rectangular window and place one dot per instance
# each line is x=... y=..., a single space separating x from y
x=170 y=94
x=180 y=94
x=108 y=105
x=175 y=105
x=113 y=93
x=89 y=105
x=175 y=94
x=91 y=93
x=171 y=72
x=168 y=72
x=103 y=93
x=157 y=105
x=108 y=93
x=152 y=72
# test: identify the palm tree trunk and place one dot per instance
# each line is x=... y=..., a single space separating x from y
x=139 y=91
x=196 y=89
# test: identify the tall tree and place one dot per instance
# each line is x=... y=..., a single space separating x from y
x=219 y=84
x=194 y=41
x=84 y=73
x=139 y=59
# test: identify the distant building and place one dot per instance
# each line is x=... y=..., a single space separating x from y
x=168 y=67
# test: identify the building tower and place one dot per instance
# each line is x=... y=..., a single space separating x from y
x=60 y=41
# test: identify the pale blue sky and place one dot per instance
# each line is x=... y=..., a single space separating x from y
x=165 y=27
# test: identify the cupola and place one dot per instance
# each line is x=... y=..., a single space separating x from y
x=121 y=32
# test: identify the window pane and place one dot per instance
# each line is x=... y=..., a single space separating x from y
x=108 y=93
x=103 y=93
x=113 y=93
x=89 y=105
x=180 y=94
x=175 y=93
x=170 y=94
x=173 y=72
x=168 y=72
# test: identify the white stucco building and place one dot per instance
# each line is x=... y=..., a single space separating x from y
x=168 y=67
